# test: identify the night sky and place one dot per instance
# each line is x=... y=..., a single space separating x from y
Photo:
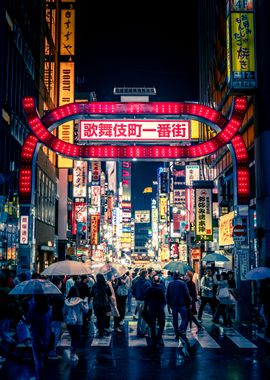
x=135 y=44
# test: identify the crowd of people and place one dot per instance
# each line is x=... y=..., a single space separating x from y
x=102 y=301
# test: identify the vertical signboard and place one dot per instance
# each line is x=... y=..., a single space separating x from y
x=67 y=36
x=241 y=45
x=192 y=174
x=94 y=235
x=66 y=73
x=126 y=180
x=225 y=231
x=79 y=179
x=66 y=95
x=24 y=229
x=203 y=219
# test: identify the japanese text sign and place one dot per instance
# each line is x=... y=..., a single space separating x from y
x=203 y=221
x=135 y=130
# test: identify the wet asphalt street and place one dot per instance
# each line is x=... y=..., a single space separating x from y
x=237 y=353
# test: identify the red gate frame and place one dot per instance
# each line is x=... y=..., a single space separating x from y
x=41 y=133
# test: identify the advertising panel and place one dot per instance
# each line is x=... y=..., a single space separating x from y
x=66 y=95
x=24 y=229
x=225 y=231
x=94 y=234
x=179 y=175
x=241 y=50
x=79 y=179
x=203 y=219
x=142 y=216
x=95 y=196
x=192 y=174
x=163 y=178
x=134 y=130
x=163 y=200
x=96 y=171
x=79 y=215
x=67 y=36
x=111 y=170
x=126 y=180
x=174 y=254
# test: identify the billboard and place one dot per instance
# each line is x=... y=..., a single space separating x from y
x=203 y=219
x=134 y=130
x=142 y=216
x=94 y=225
x=67 y=35
x=225 y=230
x=241 y=47
x=192 y=174
x=66 y=95
x=79 y=179
x=126 y=180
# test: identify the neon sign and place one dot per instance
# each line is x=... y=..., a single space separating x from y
x=41 y=132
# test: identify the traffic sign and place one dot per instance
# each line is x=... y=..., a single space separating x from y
x=239 y=230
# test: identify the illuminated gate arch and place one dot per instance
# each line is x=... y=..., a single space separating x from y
x=228 y=132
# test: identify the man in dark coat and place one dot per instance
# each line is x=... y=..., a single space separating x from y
x=139 y=289
x=57 y=303
x=179 y=300
x=154 y=306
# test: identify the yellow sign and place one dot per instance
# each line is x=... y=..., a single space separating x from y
x=225 y=229
x=67 y=38
x=242 y=34
x=66 y=95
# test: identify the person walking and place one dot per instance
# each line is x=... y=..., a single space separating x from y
x=73 y=311
x=140 y=286
x=208 y=283
x=40 y=317
x=154 y=307
x=101 y=294
x=84 y=292
x=192 y=311
x=121 y=299
x=57 y=302
x=179 y=300
x=223 y=296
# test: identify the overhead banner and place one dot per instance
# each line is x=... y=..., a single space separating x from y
x=241 y=46
x=203 y=220
x=225 y=230
x=134 y=130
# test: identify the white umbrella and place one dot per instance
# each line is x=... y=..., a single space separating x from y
x=36 y=286
x=259 y=273
x=66 y=267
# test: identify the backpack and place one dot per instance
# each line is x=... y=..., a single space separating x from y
x=72 y=316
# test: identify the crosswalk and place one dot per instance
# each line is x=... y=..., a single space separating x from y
x=203 y=339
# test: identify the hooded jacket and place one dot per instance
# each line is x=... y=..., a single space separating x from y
x=80 y=306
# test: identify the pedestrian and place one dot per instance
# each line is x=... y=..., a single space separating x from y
x=154 y=307
x=129 y=285
x=57 y=302
x=192 y=311
x=8 y=311
x=101 y=294
x=73 y=311
x=84 y=292
x=121 y=299
x=179 y=300
x=223 y=296
x=140 y=286
x=265 y=300
x=40 y=317
x=114 y=311
x=69 y=283
x=208 y=283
